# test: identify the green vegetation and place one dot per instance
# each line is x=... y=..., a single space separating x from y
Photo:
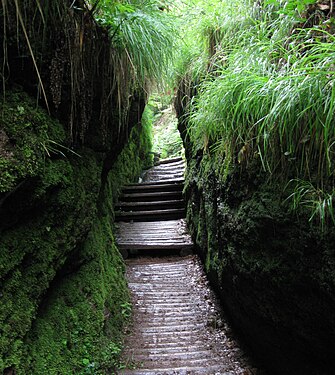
x=63 y=295
x=166 y=138
x=267 y=93
x=26 y=139
x=142 y=33
x=259 y=82
x=256 y=111
x=64 y=299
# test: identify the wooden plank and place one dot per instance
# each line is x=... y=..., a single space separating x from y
x=162 y=235
x=147 y=206
x=144 y=197
x=177 y=165
x=176 y=222
x=171 y=160
x=166 y=172
x=161 y=179
x=151 y=215
x=123 y=229
x=172 y=224
x=144 y=228
x=169 y=231
x=155 y=246
x=140 y=240
x=157 y=241
x=171 y=181
x=163 y=169
x=151 y=235
x=138 y=188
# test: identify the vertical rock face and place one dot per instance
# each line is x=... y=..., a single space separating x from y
x=58 y=52
x=274 y=271
x=62 y=290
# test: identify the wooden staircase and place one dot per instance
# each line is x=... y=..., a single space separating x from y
x=150 y=215
x=176 y=324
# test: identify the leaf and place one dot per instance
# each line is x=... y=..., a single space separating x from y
x=86 y=361
x=271 y=2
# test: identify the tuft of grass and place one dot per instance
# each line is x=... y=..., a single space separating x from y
x=318 y=203
x=142 y=34
x=268 y=92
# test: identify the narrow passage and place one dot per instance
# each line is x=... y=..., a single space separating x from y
x=177 y=325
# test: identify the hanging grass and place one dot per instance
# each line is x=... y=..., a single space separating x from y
x=284 y=115
x=269 y=95
x=142 y=33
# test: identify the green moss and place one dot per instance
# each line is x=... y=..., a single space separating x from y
x=130 y=163
x=63 y=298
x=80 y=329
x=33 y=252
x=27 y=136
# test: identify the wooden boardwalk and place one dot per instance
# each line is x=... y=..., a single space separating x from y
x=177 y=327
x=151 y=214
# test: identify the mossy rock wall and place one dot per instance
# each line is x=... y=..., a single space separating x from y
x=64 y=298
x=273 y=270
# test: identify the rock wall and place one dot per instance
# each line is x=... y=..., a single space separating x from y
x=63 y=293
x=63 y=296
x=274 y=271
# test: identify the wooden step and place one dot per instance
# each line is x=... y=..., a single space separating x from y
x=158 y=245
x=172 y=168
x=168 y=181
x=160 y=178
x=151 y=196
x=163 y=177
x=171 y=160
x=139 y=188
x=175 y=213
x=148 y=206
x=166 y=167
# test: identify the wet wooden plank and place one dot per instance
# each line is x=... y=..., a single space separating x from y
x=153 y=215
x=155 y=246
x=170 y=160
x=168 y=181
x=166 y=195
x=144 y=188
x=146 y=206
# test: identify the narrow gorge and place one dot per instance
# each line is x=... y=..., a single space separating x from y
x=109 y=267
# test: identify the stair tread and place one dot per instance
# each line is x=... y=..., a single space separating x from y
x=155 y=246
x=166 y=195
x=153 y=187
x=145 y=183
x=170 y=160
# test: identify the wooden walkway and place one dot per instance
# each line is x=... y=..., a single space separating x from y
x=151 y=214
x=177 y=327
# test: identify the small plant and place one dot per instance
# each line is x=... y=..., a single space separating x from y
x=126 y=309
x=319 y=203
x=52 y=147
